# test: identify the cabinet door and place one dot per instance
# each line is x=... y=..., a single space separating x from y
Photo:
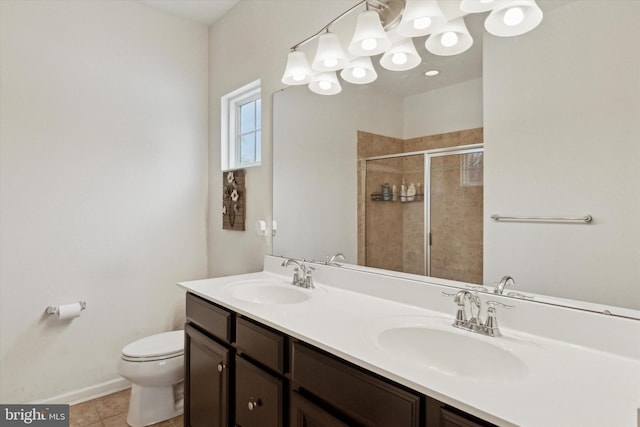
x=258 y=396
x=306 y=414
x=206 y=381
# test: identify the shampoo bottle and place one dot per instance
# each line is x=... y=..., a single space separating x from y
x=411 y=192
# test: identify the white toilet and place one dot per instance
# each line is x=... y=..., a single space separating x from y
x=155 y=367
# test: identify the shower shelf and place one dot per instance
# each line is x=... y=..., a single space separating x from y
x=378 y=197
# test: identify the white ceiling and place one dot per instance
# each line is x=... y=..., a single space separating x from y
x=204 y=11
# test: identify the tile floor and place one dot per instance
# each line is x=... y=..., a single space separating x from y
x=109 y=411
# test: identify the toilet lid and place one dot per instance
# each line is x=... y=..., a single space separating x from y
x=164 y=344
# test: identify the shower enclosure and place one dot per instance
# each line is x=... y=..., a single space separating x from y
x=423 y=213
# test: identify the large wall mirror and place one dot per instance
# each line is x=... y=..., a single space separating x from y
x=559 y=111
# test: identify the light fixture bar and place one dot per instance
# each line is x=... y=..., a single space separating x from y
x=326 y=27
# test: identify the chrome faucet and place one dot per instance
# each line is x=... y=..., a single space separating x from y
x=504 y=282
x=302 y=273
x=337 y=257
x=465 y=298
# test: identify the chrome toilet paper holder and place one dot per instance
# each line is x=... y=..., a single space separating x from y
x=53 y=309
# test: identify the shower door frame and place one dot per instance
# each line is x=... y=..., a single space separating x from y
x=428 y=154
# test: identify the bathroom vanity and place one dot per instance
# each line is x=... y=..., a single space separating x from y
x=362 y=349
x=242 y=372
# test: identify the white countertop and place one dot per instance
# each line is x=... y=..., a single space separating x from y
x=567 y=384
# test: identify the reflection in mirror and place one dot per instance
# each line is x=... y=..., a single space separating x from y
x=394 y=229
x=422 y=212
x=560 y=112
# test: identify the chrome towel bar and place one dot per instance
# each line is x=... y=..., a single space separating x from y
x=585 y=218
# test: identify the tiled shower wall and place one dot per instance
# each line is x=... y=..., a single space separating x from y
x=391 y=235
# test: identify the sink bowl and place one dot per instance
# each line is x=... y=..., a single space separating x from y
x=269 y=292
x=432 y=344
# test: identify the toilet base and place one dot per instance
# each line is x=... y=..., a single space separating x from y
x=150 y=405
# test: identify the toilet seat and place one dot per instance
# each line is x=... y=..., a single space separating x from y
x=161 y=346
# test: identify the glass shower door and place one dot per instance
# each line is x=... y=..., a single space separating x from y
x=455 y=215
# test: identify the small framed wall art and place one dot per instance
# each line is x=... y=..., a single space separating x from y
x=233 y=200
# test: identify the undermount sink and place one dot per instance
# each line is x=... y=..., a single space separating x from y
x=430 y=344
x=269 y=291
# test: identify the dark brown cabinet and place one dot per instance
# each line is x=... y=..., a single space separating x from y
x=206 y=381
x=208 y=364
x=303 y=413
x=356 y=394
x=441 y=415
x=262 y=344
x=260 y=369
x=242 y=373
x=259 y=396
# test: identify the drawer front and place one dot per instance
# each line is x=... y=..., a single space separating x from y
x=261 y=344
x=439 y=414
x=213 y=319
x=360 y=396
x=259 y=396
x=451 y=419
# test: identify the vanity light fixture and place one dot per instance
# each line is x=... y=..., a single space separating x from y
x=421 y=17
x=330 y=56
x=387 y=26
x=477 y=6
x=369 y=37
x=359 y=71
x=298 y=71
x=402 y=56
x=513 y=18
x=325 y=83
x=452 y=39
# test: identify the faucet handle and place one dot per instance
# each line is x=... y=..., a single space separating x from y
x=491 y=324
x=519 y=295
x=461 y=321
x=296 y=276
x=491 y=304
x=308 y=277
x=476 y=288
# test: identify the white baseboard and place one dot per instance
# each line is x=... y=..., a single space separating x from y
x=88 y=393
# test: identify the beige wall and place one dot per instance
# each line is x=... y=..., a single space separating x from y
x=103 y=141
x=252 y=42
x=561 y=139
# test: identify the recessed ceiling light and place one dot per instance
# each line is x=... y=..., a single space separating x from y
x=431 y=73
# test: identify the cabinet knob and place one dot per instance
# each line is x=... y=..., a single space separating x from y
x=253 y=404
x=221 y=367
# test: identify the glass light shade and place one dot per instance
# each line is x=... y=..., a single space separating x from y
x=325 y=83
x=421 y=17
x=512 y=18
x=452 y=39
x=297 y=71
x=478 y=6
x=369 y=37
x=401 y=56
x=359 y=71
x=330 y=56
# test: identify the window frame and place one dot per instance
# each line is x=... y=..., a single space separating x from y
x=230 y=125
